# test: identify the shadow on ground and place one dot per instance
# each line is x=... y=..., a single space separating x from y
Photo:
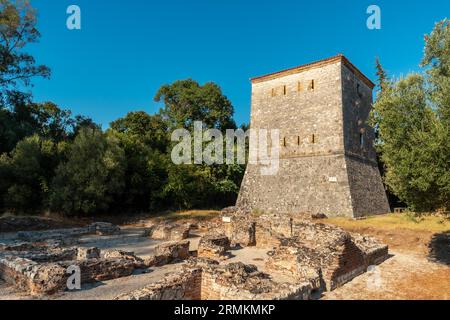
x=440 y=248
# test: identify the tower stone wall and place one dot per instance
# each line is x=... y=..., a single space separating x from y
x=327 y=160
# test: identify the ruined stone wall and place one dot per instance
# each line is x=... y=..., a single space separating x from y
x=185 y=285
x=346 y=264
x=237 y=281
x=211 y=290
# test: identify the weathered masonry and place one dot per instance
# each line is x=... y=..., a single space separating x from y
x=327 y=160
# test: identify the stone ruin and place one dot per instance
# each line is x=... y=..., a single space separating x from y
x=303 y=258
x=170 y=231
x=302 y=248
x=208 y=280
x=314 y=257
x=215 y=246
x=37 y=262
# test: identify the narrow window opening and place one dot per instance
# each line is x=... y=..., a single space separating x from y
x=361 y=140
x=358 y=90
x=274 y=93
x=313 y=138
x=311 y=85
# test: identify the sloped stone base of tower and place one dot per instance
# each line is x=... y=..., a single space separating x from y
x=319 y=184
x=366 y=188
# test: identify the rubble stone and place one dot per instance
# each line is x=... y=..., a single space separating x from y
x=104 y=228
x=213 y=246
x=170 y=231
x=184 y=285
x=88 y=253
x=43 y=271
x=99 y=228
x=170 y=252
x=235 y=281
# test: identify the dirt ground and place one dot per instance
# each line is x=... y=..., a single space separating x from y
x=418 y=269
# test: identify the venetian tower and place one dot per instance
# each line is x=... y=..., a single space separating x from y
x=327 y=160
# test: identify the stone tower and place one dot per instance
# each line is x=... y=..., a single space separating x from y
x=327 y=160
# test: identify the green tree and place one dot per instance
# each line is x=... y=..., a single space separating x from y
x=411 y=120
x=140 y=126
x=26 y=174
x=189 y=186
x=186 y=101
x=16 y=120
x=24 y=118
x=145 y=172
x=92 y=176
x=50 y=121
x=17 y=29
x=437 y=62
x=80 y=122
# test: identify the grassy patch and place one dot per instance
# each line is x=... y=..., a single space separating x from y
x=191 y=214
x=432 y=223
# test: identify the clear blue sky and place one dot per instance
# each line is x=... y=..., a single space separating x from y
x=128 y=48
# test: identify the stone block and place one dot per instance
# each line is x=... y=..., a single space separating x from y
x=213 y=246
x=88 y=253
x=170 y=231
x=167 y=253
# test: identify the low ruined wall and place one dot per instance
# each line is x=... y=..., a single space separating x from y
x=44 y=271
x=33 y=277
x=214 y=282
x=170 y=252
x=213 y=246
x=185 y=285
x=169 y=231
x=347 y=264
x=100 y=228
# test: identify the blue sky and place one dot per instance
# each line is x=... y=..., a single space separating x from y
x=127 y=49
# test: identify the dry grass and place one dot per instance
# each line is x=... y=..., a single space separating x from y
x=430 y=223
x=191 y=214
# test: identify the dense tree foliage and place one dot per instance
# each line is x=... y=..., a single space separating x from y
x=92 y=177
x=186 y=101
x=144 y=139
x=27 y=172
x=411 y=119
